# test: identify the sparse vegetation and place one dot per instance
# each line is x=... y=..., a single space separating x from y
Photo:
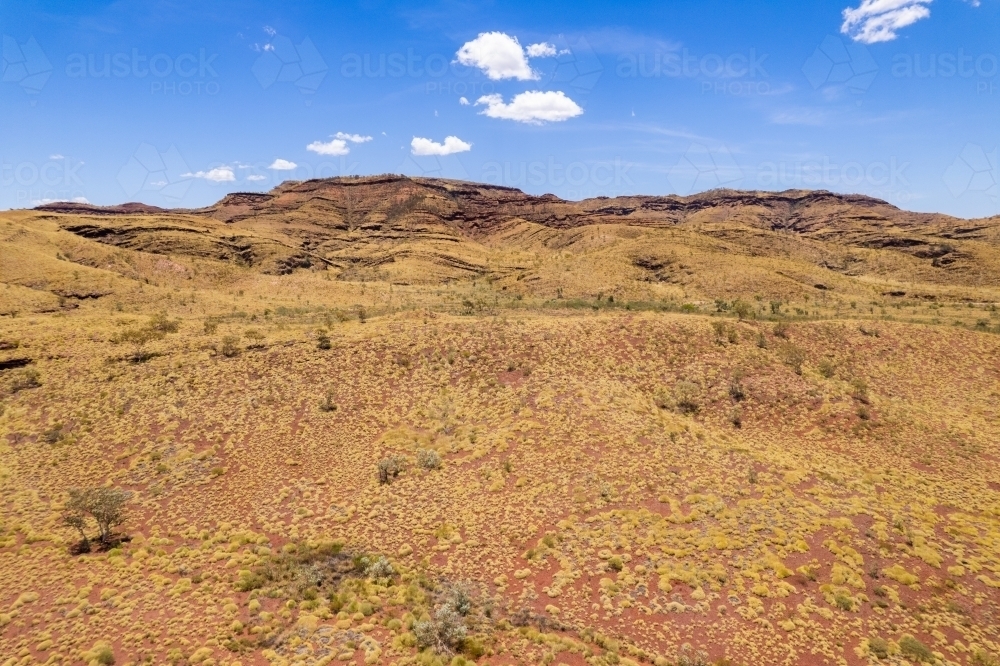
x=617 y=475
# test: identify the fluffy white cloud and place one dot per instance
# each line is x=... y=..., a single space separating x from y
x=331 y=147
x=463 y=101
x=451 y=145
x=338 y=144
x=498 y=55
x=876 y=21
x=282 y=165
x=534 y=107
x=353 y=138
x=221 y=174
x=256 y=177
x=541 y=50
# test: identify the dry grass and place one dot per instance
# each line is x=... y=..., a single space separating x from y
x=588 y=489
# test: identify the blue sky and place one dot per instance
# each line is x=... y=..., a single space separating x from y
x=176 y=103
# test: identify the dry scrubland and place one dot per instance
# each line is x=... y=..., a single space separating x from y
x=616 y=444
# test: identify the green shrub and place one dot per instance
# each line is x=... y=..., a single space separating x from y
x=914 y=649
x=25 y=379
x=104 y=656
x=879 y=647
x=230 y=346
x=793 y=357
x=390 y=467
x=428 y=458
x=686 y=396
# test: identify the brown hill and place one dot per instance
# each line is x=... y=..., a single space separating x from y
x=419 y=230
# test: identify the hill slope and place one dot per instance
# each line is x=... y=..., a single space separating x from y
x=759 y=426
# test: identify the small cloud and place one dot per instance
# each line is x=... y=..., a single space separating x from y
x=533 y=107
x=256 y=177
x=353 y=138
x=876 y=21
x=268 y=47
x=498 y=55
x=57 y=156
x=282 y=165
x=542 y=50
x=338 y=145
x=332 y=147
x=221 y=174
x=451 y=145
x=270 y=31
x=463 y=101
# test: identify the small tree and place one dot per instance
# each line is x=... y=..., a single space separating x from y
x=230 y=346
x=255 y=337
x=105 y=505
x=327 y=404
x=138 y=339
x=742 y=309
x=389 y=468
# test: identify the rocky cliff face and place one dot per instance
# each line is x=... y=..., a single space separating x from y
x=369 y=221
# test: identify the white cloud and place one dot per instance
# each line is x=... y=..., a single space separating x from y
x=337 y=145
x=221 y=174
x=282 y=165
x=498 y=55
x=876 y=21
x=331 y=147
x=451 y=145
x=534 y=107
x=353 y=138
x=57 y=156
x=542 y=50
x=256 y=177
x=463 y=101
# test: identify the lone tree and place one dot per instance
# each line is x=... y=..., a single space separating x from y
x=138 y=338
x=106 y=506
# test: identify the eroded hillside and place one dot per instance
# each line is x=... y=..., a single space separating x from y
x=740 y=428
